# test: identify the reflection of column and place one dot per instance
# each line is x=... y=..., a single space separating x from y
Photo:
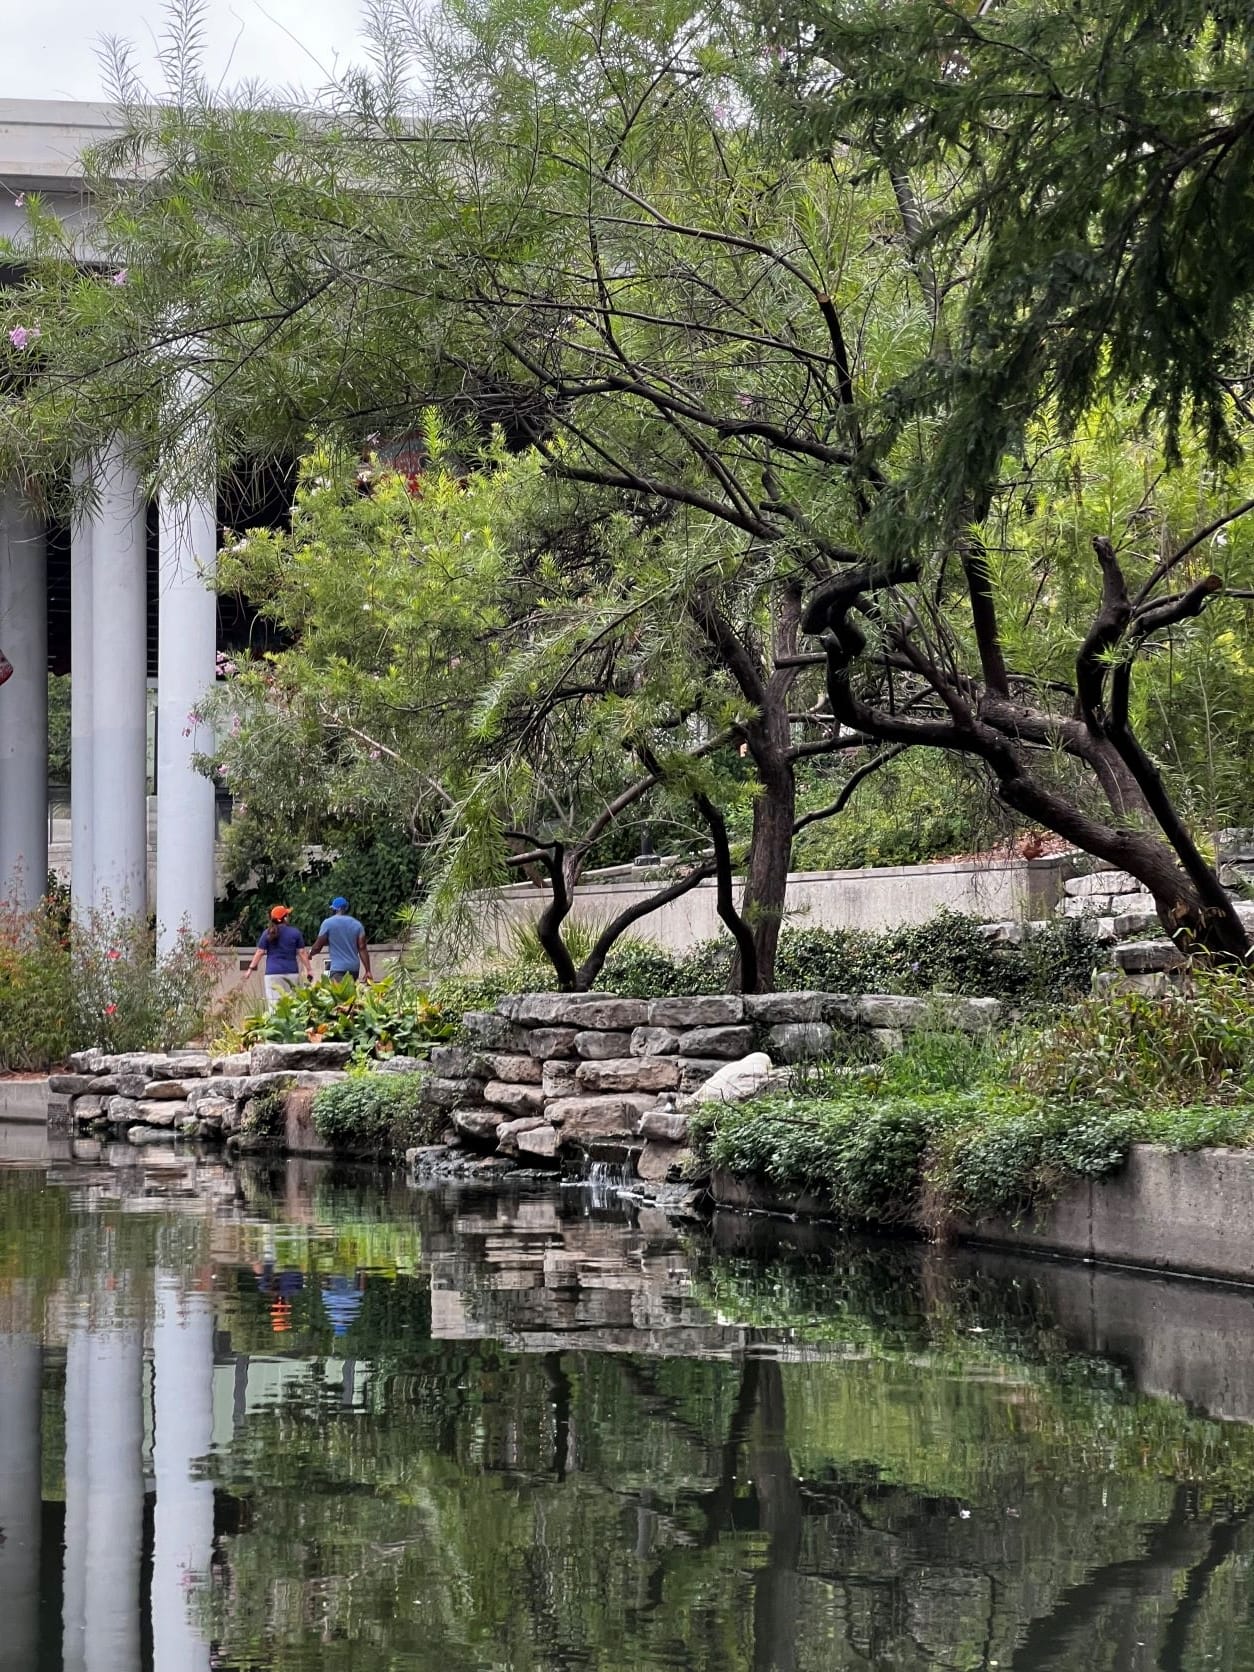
x=186 y=642
x=23 y=702
x=82 y=716
x=20 y=1498
x=77 y=1418
x=115 y=1502
x=119 y=659
x=182 y=1349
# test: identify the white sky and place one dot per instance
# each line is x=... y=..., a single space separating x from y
x=48 y=48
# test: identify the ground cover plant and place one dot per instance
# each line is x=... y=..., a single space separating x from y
x=962 y=1126
x=381 y=1112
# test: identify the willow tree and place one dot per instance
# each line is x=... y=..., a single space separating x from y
x=772 y=358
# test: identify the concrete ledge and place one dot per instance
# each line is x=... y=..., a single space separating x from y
x=24 y=1100
x=1164 y=1211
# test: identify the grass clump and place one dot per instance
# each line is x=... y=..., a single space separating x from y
x=377 y=1112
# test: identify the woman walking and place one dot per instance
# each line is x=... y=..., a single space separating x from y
x=283 y=947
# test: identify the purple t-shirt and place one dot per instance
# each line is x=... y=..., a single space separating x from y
x=281 y=952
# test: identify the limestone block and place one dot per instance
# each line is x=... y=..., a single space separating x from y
x=131 y=1085
x=888 y=1040
x=71 y=1085
x=278 y=1059
x=184 y=1065
x=515 y=1100
x=892 y=1010
x=1132 y=923
x=552 y=1042
x=507 y=1132
x=492 y=1032
x=736 y=1082
x=517 y=1070
x=57 y=1110
x=721 y=1010
x=717 y=1042
x=558 y=1078
x=477 y=1126
x=151 y=1135
x=654 y=1042
x=605 y=1015
x=166 y=1113
x=86 y=1062
x=87 y=1109
x=304 y=1079
x=122 y=1111
x=234 y=1065
x=597 y=1044
x=104 y=1085
x=799 y=1041
x=455 y=1062
x=613 y=1116
x=774 y=1009
x=224 y=1086
x=695 y=1071
x=667 y=1125
x=451 y=1094
x=539 y=1142
x=629 y=1074
x=1092 y=882
x=216 y=1111
x=544 y=1009
x=1149 y=957
x=657 y=1162
x=401 y=1065
x=164 y=1091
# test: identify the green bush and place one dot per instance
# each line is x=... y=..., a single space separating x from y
x=34 y=990
x=378 y=1112
x=379 y=874
x=1188 y=1047
x=378 y=1018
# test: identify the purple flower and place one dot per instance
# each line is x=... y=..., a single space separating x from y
x=20 y=335
x=720 y=113
x=119 y=277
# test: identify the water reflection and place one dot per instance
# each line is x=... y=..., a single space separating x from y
x=281 y=1420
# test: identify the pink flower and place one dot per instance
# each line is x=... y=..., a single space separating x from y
x=222 y=772
x=721 y=113
x=20 y=200
x=119 y=277
x=20 y=335
x=376 y=754
x=113 y=954
x=110 y=1009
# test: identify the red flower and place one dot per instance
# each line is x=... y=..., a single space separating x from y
x=113 y=954
x=110 y=1009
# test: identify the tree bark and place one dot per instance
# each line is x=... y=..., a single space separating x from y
x=770 y=857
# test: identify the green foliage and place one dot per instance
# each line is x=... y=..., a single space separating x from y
x=378 y=872
x=265 y=1116
x=1196 y=1045
x=916 y=808
x=378 y=1018
x=100 y=983
x=377 y=1112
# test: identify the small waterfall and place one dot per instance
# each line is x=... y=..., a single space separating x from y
x=604 y=1181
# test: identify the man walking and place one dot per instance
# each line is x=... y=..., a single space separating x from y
x=344 y=939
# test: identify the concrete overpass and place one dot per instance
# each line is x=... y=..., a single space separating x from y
x=41 y=146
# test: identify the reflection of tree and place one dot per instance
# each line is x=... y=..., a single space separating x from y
x=779 y=1516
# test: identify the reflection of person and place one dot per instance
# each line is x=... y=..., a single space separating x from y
x=283 y=947
x=345 y=940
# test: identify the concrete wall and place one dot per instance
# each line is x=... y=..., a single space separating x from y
x=878 y=898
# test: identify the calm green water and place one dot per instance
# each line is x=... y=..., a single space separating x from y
x=284 y=1420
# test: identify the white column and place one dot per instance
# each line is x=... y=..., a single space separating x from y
x=115 y=1502
x=82 y=718
x=23 y=703
x=74 y=1571
x=182 y=1348
x=187 y=626
x=119 y=653
x=21 y=1507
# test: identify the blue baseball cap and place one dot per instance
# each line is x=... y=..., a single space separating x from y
x=339 y=903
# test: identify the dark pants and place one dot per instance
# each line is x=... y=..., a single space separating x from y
x=338 y=975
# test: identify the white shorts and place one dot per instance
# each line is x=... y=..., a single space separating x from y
x=277 y=985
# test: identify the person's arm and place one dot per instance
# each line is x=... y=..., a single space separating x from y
x=319 y=945
x=363 y=952
x=258 y=955
x=303 y=958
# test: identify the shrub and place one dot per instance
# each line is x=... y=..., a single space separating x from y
x=378 y=1112
x=1124 y=1048
x=378 y=1018
x=34 y=989
x=265 y=1115
x=125 y=997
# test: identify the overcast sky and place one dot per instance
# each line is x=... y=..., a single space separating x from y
x=52 y=53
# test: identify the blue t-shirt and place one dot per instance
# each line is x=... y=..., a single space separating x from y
x=343 y=933
x=281 y=952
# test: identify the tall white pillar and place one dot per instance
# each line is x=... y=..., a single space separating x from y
x=82 y=718
x=21 y=1506
x=77 y=1423
x=23 y=703
x=119 y=656
x=182 y=1363
x=187 y=624
x=115 y=1502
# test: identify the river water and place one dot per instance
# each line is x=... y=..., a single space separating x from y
x=285 y=1418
